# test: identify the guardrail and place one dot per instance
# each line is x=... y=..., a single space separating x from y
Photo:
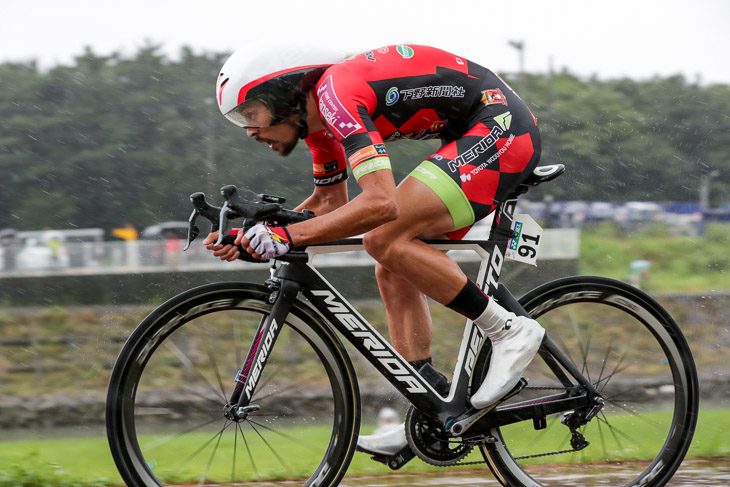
x=145 y=256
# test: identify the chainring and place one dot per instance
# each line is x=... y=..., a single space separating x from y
x=432 y=444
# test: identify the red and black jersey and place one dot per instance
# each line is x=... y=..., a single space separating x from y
x=395 y=92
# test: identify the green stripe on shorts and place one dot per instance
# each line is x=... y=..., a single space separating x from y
x=371 y=165
x=448 y=190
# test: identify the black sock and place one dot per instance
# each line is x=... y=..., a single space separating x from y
x=417 y=364
x=470 y=302
x=432 y=376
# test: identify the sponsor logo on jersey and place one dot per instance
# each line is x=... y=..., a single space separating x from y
x=330 y=166
x=391 y=96
x=490 y=97
x=504 y=121
x=441 y=91
x=370 y=56
x=383 y=50
x=330 y=179
x=367 y=153
x=406 y=52
x=333 y=112
x=493 y=158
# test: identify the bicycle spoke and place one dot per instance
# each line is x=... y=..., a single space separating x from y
x=609 y=348
x=272 y=375
x=278 y=457
x=202 y=447
x=210 y=460
x=618 y=369
x=278 y=392
x=213 y=362
x=614 y=432
x=586 y=370
x=563 y=347
x=167 y=439
x=285 y=436
x=248 y=449
x=185 y=360
x=603 y=441
x=202 y=396
x=235 y=452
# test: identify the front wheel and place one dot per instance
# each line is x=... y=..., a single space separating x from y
x=169 y=387
x=635 y=355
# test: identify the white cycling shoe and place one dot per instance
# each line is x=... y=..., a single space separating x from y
x=514 y=345
x=388 y=443
x=513 y=348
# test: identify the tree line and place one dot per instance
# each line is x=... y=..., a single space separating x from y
x=110 y=140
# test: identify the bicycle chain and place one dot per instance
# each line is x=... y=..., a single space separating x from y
x=525 y=457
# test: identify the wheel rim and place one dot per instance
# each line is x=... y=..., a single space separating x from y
x=171 y=423
x=631 y=354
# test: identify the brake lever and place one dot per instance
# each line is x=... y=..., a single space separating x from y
x=201 y=208
x=225 y=215
x=193 y=230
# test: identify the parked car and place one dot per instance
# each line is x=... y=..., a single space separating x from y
x=46 y=251
x=165 y=230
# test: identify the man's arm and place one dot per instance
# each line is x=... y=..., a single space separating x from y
x=325 y=199
x=371 y=208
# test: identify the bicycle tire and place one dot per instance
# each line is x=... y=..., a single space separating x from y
x=632 y=350
x=164 y=410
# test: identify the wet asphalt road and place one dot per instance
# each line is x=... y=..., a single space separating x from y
x=697 y=472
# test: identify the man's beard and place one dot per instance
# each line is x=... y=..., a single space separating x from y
x=288 y=146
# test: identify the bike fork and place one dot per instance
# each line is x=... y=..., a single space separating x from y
x=267 y=332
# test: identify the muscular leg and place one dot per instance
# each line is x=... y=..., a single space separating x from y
x=409 y=318
x=409 y=270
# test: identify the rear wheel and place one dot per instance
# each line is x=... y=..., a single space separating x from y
x=174 y=376
x=634 y=353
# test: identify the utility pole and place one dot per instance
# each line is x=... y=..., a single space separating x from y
x=705 y=189
x=520 y=46
x=705 y=197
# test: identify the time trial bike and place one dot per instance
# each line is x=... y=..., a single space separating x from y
x=245 y=382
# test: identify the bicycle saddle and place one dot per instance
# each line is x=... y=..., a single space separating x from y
x=543 y=174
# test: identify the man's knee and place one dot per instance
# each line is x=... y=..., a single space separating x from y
x=377 y=244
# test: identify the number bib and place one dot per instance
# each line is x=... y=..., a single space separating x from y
x=524 y=247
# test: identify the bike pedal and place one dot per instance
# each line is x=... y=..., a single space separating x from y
x=396 y=461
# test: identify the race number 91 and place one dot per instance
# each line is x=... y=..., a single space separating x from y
x=523 y=247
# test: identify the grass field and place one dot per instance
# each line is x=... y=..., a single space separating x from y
x=87 y=461
x=678 y=263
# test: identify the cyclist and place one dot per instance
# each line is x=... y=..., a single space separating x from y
x=345 y=110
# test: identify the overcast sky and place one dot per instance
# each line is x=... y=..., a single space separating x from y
x=612 y=39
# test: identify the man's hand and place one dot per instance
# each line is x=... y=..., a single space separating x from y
x=223 y=252
x=265 y=242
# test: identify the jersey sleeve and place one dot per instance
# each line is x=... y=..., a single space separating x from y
x=344 y=103
x=328 y=158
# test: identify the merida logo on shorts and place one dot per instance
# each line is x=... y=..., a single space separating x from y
x=504 y=121
x=485 y=164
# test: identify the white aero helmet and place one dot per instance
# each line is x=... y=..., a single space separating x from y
x=276 y=75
